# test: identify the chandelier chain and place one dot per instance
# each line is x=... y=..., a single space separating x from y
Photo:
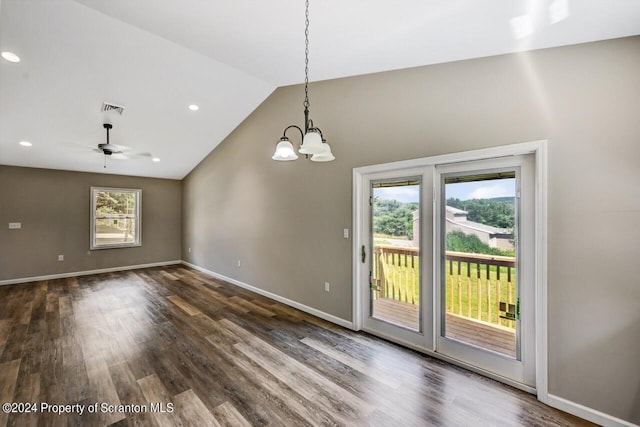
x=306 y=57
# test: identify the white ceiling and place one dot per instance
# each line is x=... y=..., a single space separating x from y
x=156 y=58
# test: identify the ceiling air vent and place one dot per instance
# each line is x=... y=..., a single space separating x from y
x=108 y=106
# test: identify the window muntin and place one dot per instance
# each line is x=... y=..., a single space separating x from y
x=115 y=217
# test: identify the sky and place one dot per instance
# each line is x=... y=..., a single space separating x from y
x=462 y=191
x=482 y=189
x=405 y=194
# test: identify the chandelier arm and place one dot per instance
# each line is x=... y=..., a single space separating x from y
x=284 y=134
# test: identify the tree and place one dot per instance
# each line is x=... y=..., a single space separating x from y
x=495 y=212
x=393 y=218
x=458 y=241
x=111 y=202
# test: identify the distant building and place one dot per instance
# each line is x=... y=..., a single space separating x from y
x=456 y=220
x=500 y=238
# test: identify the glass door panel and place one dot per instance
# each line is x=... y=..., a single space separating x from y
x=395 y=261
x=480 y=263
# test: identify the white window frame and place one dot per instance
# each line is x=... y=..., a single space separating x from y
x=137 y=215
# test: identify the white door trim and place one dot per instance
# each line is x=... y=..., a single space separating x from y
x=539 y=150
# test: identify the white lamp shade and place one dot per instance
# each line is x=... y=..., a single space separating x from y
x=312 y=143
x=284 y=151
x=325 y=156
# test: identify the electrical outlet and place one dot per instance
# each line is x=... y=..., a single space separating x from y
x=345 y=233
x=60 y=257
x=239 y=264
x=15 y=225
x=327 y=286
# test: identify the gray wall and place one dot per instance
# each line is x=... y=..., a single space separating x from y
x=284 y=221
x=54 y=209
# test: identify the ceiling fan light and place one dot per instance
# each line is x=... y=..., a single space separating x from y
x=110 y=147
x=312 y=142
x=284 y=151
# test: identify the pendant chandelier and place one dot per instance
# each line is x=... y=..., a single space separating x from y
x=314 y=146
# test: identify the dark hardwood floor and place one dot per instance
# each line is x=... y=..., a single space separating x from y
x=215 y=354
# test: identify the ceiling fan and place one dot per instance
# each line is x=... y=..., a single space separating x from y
x=108 y=149
x=116 y=151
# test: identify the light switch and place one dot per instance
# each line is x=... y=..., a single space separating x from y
x=15 y=225
x=345 y=233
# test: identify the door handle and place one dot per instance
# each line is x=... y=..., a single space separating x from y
x=363 y=254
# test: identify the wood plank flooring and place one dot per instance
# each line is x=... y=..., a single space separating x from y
x=171 y=346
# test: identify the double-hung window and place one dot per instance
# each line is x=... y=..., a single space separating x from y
x=115 y=217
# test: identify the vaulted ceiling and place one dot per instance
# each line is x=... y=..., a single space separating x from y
x=157 y=58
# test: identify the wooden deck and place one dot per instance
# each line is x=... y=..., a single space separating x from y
x=481 y=334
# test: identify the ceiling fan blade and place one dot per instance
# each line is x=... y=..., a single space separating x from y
x=139 y=155
x=76 y=147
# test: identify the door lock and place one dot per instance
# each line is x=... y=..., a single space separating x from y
x=363 y=254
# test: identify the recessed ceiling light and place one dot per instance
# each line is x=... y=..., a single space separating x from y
x=10 y=56
x=156 y=159
x=26 y=143
x=193 y=107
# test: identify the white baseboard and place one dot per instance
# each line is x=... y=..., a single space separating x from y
x=321 y=314
x=87 y=272
x=587 y=413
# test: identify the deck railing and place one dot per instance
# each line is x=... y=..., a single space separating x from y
x=480 y=287
x=396 y=273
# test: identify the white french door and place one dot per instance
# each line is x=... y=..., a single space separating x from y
x=485 y=265
x=459 y=281
x=395 y=255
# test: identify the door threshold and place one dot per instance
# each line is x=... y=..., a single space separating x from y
x=451 y=360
